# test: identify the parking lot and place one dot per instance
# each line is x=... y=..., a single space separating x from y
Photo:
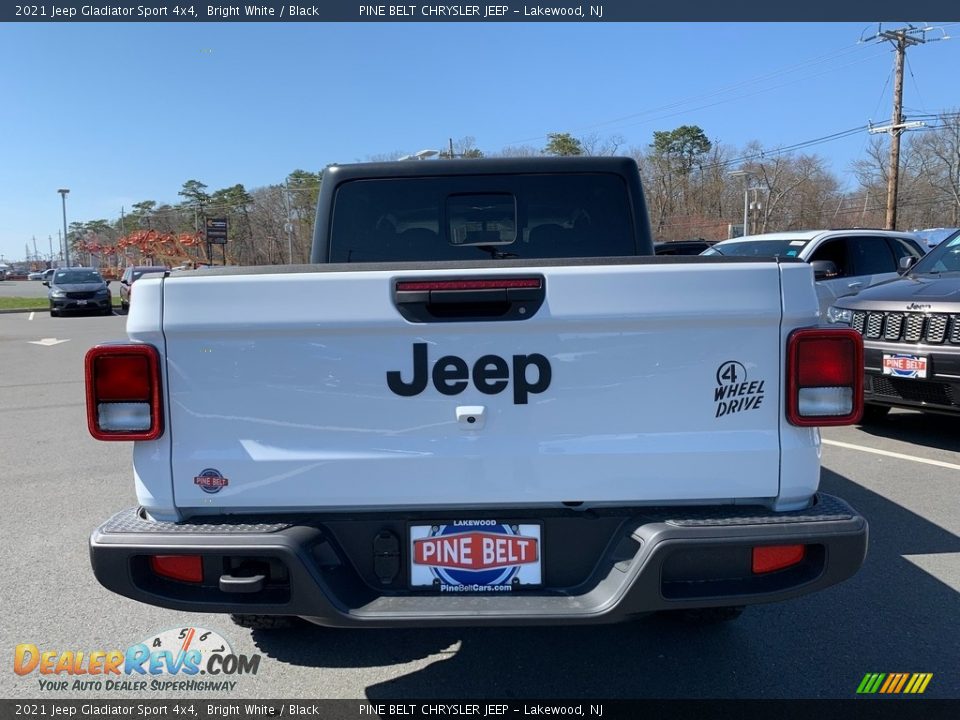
x=898 y=614
x=24 y=288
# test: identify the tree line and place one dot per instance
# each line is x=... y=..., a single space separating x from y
x=695 y=187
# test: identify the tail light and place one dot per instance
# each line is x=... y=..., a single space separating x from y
x=824 y=376
x=123 y=392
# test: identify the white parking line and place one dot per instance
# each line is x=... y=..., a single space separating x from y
x=887 y=453
x=31 y=316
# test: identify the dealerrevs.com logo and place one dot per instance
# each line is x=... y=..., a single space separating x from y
x=180 y=659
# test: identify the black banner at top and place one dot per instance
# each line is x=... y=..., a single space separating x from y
x=486 y=11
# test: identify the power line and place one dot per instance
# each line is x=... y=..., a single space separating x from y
x=725 y=90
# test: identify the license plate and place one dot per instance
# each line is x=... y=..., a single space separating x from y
x=81 y=302
x=475 y=556
x=907 y=366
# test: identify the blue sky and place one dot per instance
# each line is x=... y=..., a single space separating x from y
x=123 y=112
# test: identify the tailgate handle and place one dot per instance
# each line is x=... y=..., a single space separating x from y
x=248 y=584
x=464 y=299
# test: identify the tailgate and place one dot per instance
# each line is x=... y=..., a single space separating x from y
x=639 y=383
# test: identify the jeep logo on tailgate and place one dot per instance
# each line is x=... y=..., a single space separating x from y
x=491 y=375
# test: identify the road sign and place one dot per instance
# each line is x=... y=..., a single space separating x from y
x=217 y=231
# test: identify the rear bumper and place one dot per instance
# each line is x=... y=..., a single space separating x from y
x=599 y=566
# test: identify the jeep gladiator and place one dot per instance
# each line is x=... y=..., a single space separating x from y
x=484 y=401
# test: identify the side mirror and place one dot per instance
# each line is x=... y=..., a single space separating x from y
x=47 y=283
x=824 y=269
x=906 y=262
x=108 y=281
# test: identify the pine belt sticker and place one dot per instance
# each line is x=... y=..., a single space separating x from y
x=211 y=481
x=735 y=392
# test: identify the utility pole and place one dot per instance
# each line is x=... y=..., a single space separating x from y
x=288 y=225
x=901 y=39
x=122 y=234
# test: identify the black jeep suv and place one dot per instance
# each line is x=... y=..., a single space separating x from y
x=911 y=334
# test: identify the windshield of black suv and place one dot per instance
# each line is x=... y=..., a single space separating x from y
x=775 y=247
x=482 y=216
x=944 y=258
x=77 y=277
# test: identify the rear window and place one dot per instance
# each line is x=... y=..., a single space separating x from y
x=481 y=217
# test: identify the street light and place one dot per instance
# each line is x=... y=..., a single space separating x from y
x=66 y=243
x=746 y=175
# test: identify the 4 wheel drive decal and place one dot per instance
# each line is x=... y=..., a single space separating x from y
x=490 y=374
x=734 y=392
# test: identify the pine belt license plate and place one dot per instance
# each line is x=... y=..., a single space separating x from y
x=475 y=556
x=905 y=366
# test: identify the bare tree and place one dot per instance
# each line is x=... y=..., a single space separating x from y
x=939 y=162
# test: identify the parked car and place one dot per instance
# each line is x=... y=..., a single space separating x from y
x=37 y=275
x=844 y=261
x=931 y=237
x=130 y=276
x=911 y=335
x=683 y=247
x=79 y=290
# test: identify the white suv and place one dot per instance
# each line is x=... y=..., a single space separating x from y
x=844 y=261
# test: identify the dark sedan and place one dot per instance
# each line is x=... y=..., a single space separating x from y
x=130 y=276
x=79 y=290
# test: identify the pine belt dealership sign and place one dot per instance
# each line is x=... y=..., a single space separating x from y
x=216 y=231
x=542 y=11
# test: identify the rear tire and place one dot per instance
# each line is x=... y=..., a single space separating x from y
x=874 y=413
x=265 y=622
x=706 y=616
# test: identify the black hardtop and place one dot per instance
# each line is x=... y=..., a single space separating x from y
x=480 y=166
x=336 y=175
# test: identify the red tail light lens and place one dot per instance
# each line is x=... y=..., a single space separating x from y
x=777 y=557
x=185 y=568
x=123 y=392
x=824 y=377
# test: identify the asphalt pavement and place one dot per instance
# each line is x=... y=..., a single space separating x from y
x=23 y=288
x=898 y=614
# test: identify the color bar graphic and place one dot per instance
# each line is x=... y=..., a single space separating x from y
x=894 y=683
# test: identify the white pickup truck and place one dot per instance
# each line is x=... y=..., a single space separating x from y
x=484 y=402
